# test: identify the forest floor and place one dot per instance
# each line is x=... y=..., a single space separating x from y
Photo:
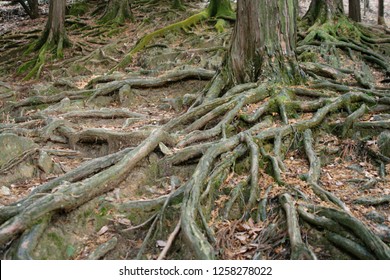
x=109 y=122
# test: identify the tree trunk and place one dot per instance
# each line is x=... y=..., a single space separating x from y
x=221 y=9
x=55 y=33
x=178 y=4
x=263 y=45
x=117 y=11
x=323 y=10
x=366 y=6
x=381 y=12
x=354 y=10
x=31 y=8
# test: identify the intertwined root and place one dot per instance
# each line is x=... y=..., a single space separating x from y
x=241 y=194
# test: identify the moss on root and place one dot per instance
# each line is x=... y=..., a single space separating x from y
x=220 y=12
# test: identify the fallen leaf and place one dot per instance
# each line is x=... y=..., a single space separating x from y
x=103 y=230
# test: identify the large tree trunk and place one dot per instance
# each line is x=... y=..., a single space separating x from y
x=354 y=10
x=263 y=45
x=381 y=12
x=55 y=33
x=323 y=10
x=117 y=11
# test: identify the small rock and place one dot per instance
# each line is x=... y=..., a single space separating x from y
x=376 y=217
x=65 y=102
x=384 y=143
x=125 y=94
x=45 y=162
x=383 y=232
x=5 y=191
x=13 y=146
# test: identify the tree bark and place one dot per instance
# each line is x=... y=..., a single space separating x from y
x=178 y=4
x=31 y=8
x=117 y=11
x=381 y=12
x=263 y=45
x=323 y=10
x=354 y=10
x=55 y=33
x=221 y=9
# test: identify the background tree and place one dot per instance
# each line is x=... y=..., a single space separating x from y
x=54 y=34
x=53 y=39
x=366 y=6
x=231 y=173
x=117 y=11
x=323 y=10
x=218 y=9
x=178 y=4
x=354 y=10
x=381 y=12
x=31 y=8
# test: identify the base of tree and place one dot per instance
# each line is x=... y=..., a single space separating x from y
x=253 y=159
x=44 y=46
x=117 y=13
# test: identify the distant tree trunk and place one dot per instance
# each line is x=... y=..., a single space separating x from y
x=117 y=11
x=55 y=33
x=221 y=9
x=366 y=6
x=354 y=10
x=323 y=10
x=381 y=12
x=31 y=8
x=263 y=45
x=178 y=4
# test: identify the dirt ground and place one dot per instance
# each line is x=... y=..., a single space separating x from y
x=346 y=168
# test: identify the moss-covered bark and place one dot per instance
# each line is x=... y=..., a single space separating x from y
x=178 y=4
x=221 y=9
x=381 y=12
x=117 y=12
x=53 y=38
x=323 y=10
x=217 y=8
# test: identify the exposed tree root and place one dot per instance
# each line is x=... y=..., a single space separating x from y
x=298 y=248
x=235 y=141
x=103 y=249
x=220 y=11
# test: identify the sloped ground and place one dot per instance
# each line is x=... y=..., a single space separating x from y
x=77 y=127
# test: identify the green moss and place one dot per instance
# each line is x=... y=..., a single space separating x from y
x=25 y=67
x=221 y=9
x=308 y=56
x=79 y=69
x=70 y=251
x=144 y=41
x=220 y=25
x=177 y=4
x=78 y=8
x=242 y=166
